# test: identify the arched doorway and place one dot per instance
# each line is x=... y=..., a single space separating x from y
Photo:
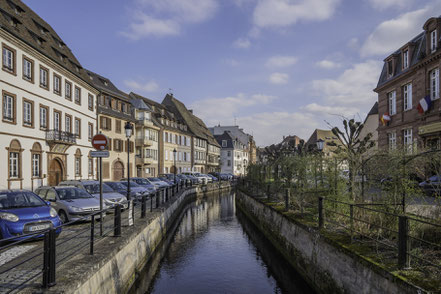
x=118 y=170
x=55 y=173
x=173 y=169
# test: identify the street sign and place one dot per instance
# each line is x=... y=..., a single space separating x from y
x=100 y=142
x=104 y=154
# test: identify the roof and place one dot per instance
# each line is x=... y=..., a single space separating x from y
x=105 y=85
x=227 y=137
x=194 y=123
x=140 y=104
x=23 y=23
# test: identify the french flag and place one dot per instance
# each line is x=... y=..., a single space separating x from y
x=424 y=104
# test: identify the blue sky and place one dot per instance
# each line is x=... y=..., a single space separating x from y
x=276 y=67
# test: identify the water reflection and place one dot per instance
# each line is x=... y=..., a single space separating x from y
x=212 y=253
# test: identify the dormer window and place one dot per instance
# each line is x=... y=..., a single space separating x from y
x=390 y=68
x=433 y=41
x=405 y=59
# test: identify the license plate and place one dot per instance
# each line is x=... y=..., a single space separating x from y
x=38 y=227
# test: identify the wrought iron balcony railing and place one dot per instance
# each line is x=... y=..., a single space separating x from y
x=56 y=136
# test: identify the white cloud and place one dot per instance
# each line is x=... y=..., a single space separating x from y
x=390 y=35
x=330 y=110
x=384 y=4
x=353 y=43
x=166 y=17
x=242 y=43
x=282 y=13
x=328 y=64
x=353 y=87
x=281 y=61
x=231 y=62
x=278 y=78
x=150 y=86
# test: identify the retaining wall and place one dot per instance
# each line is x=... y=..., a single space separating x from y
x=327 y=267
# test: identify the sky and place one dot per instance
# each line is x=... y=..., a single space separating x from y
x=273 y=67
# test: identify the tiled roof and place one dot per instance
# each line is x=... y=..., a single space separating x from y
x=195 y=124
x=227 y=137
x=20 y=21
x=105 y=85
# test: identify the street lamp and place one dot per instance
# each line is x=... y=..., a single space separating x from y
x=128 y=127
x=174 y=158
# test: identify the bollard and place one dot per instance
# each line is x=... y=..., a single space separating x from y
x=287 y=199
x=403 y=231
x=166 y=194
x=151 y=202
x=157 y=198
x=320 y=212
x=143 y=204
x=117 y=221
x=49 y=259
x=92 y=234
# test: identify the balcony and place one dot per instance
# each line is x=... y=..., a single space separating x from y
x=144 y=160
x=59 y=137
x=144 y=122
x=143 y=142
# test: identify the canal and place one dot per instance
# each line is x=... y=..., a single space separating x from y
x=215 y=249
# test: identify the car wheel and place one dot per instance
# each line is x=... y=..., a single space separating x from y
x=63 y=216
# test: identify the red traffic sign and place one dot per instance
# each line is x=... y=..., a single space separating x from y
x=100 y=142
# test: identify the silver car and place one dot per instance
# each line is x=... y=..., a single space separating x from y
x=93 y=187
x=71 y=203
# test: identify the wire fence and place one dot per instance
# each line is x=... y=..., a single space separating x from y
x=379 y=230
x=28 y=261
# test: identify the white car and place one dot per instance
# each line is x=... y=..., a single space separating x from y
x=201 y=179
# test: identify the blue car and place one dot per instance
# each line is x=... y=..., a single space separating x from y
x=23 y=212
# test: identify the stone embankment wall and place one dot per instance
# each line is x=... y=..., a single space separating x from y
x=114 y=267
x=328 y=267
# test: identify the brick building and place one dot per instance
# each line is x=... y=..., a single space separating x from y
x=410 y=74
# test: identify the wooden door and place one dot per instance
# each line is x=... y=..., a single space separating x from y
x=118 y=171
x=55 y=173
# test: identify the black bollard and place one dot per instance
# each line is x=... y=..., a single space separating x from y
x=117 y=221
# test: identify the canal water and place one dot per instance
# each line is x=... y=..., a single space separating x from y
x=215 y=249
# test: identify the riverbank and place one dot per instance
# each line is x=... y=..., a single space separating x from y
x=327 y=265
x=116 y=263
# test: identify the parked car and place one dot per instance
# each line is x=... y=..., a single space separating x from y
x=209 y=179
x=192 y=178
x=136 y=191
x=93 y=187
x=183 y=178
x=158 y=183
x=201 y=179
x=169 y=182
x=225 y=177
x=71 y=203
x=432 y=186
x=213 y=178
x=24 y=212
x=144 y=183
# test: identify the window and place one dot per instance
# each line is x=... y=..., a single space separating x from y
x=392 y=138
x=78 y=128
x=68 y=123
x=434 y=84
x=57 y=84
x=118 y=126
x=90 y=131
x=28 y=113
x=90 y=102
x=105 y=123
x=68 y=90
x=433 y=41
x=77 y=166
x=392 y=103
x=44 y=73
x=57 y=120
x=407 y=96
x=117 y=145
x=123 y=107
x=36 y=165
x=90 y=166
x=229 y=163
x=13 y=164
x=389 y=68
x=406 y=59
x=77 y=95
x=28 y=69
x=407 y=136
x=44 y=121
x=224 y=143
x=8 y=59
x=228 y=153
x=9 y=113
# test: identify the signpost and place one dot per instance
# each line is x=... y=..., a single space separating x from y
x=100 y=143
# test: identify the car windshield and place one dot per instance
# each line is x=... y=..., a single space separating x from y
x=132 y=184
x=154 y=179
x=116 y=185
x=141 y=181
x=20 y=200
x=72 y=193
x=95 y=188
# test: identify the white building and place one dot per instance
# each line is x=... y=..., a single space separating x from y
x=48 y=107
x=234 y=157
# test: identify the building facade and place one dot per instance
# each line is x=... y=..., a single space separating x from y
x=48 y=104
x=234 y=156
x=114 y=110
x=328 y=137
x=408 y=93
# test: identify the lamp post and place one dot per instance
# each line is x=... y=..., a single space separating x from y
x=320 y=145
x=128 y=128
x=174 y=170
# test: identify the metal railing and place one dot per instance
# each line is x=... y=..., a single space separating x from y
x=61 y=137
x=48 y=255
